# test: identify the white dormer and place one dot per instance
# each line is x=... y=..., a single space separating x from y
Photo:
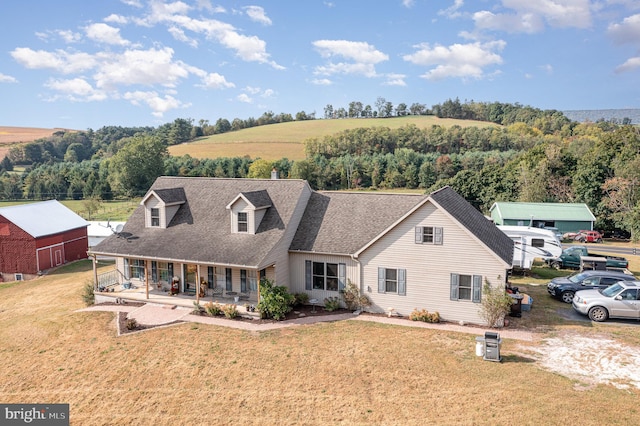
x=247 y=211
x=161 y=205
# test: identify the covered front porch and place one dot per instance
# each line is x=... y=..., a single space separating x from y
x=138 y=293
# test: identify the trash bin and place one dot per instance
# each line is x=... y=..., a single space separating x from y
x=516 y=305
x=492 y=342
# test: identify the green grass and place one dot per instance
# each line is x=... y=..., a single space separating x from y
x=285 y=140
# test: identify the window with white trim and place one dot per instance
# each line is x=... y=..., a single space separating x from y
x=243 y=222
x=155 y=217
x=466 y=287
x=392 y=280
x=136 y=268
x=429 y=235
x=326 y=276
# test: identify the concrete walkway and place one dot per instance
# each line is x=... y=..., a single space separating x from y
x=155 y=314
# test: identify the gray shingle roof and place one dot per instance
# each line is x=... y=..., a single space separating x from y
x=171 y=195
x=344 y=222
x=259 y=199
x=201 y=228
x=475 y=222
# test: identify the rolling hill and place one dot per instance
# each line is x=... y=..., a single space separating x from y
x=285 y=140
x=13 y=136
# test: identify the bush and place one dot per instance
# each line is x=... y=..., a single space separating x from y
x=197 y=309
x=88 y=295
x=212 y=309
x=331 y=304
x=353 y=299
x=131 y=323
x=275 y=301
x=230 y=311
x=496 y=303
x=300 y=299
x=424 y=316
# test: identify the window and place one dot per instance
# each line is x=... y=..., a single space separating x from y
x=466 y=287
x=537 y=242
x=228 y=283
x=391 y=280
x=160 y=271
x=243 y=280
x=243 y=224
x=253 y=281
x=324 y=276
x=155 y=217
x=429 y=235
x=136 y=269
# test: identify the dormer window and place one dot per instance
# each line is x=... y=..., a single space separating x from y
x=243 y=222
x=155 y=217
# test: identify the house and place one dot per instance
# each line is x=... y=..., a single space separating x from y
x=408 y=252
x=566 y=217
x=35 y=237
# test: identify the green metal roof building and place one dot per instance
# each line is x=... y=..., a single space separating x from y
x=567 y=217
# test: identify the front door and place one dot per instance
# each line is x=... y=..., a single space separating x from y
x=190 y=277
x=57 y=256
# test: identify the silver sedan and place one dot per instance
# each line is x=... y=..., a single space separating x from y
x=620 y=300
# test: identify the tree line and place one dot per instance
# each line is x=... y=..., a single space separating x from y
x=595 y=163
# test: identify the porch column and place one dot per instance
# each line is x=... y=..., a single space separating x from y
x=146 y=277
x=95 y=271
x=198 y=283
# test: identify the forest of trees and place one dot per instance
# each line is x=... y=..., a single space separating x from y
x=534 y=155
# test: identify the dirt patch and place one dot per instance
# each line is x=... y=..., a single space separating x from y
x=591 y=359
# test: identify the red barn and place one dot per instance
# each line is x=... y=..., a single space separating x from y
x=38 y=236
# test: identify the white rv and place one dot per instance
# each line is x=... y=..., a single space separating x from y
x=530 y=243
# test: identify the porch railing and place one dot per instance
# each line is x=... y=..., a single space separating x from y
x=108 y=279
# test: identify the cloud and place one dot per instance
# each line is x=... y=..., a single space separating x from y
x=216 y=81
x=395 y=80
x=158 y=104
x=179 y=35
x=531 y=16
x=60 y=60
x=458 y=60
x=133 y=3
x=453 y=10
x=103 y=33
x=243 y=97
x=322 y=82
x=364 y=57
x=7 y=79
x=628 y=31
x=630 y=64
x=256 y=13
x=76 y=89
x=408 y=3
x=116 y=19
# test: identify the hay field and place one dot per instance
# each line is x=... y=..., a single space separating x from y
x=285 y=140
x=12 y=136
x=347 y=372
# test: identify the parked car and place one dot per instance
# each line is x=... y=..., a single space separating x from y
x=620 y=300
x=564 y=288
x=588 y=237
x=571 y=258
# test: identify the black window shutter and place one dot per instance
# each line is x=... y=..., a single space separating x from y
x=342 y=275
x=402 y=282
x=419 y=234
x=438 y=235
x=477 y=288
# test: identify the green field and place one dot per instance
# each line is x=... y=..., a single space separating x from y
x=118 y=210
x=285 y=140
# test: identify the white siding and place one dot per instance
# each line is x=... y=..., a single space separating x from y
x=428 y=267
x=297 y=280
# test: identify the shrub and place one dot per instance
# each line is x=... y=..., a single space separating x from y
x=275 y=301
x=88 y=295
x=352 y=297
x=331 y=304
x=212 y=309
x=496 y=303
x=131 y=323
x=197 y=309
x=230 y=311
x=424 y=316
x=300 y=299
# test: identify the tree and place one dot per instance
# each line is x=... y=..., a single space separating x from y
x=328 y=111
x=260 y=169
x=496 y=304
x=137 y=165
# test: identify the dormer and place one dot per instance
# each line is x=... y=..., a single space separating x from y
x=161 y=205
x=247 y=211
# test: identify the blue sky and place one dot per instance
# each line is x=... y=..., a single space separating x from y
x=86 y=64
